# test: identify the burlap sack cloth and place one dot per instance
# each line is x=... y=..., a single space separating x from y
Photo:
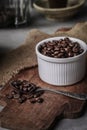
x=25 y=57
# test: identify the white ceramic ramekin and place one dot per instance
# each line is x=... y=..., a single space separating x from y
x=61 y=71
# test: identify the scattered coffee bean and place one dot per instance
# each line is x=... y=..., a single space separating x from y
x=22 y=99
x=24 y=90
x=16 y=84
x=62 y=48
x=16 y=96
x=30 y=96
x=9 y=96
x=13 y=92
x=40 y=100
x=38 y=94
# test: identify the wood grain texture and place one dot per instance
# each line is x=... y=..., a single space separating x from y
x=29 y=116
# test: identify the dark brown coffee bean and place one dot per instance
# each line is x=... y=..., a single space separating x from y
x=48 y=48
x=40 y=100
x=9 y=96
x=41 y=92
x=52 y=55
x=22 y=99
x=67 y=39
x=64 y=44
x=28 y=89
x=62 y=50
x=71 y=44
x=30 y=96
x=21 y=87
x=13 y=92
x=59 y=45
x=56 y=48
x=68 y=49
x=16 y=96
x=32 y=89
x=75 y=49
x=25 y=89
x=20 y=92
x=60 y=55
x=37 y=95
x=76 y=44
x=16 y=84
x=70 y=54
x=25 y=82
x=56 y=52
x=81 y=51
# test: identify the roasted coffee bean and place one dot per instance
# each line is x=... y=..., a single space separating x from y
x=30 y=96
x=56 y=48
x=16 y=84
x=63 y=48
x=75 y=49
x=76 y=44
x=16 y=96
x=64 y=44
x=67 y=39
x=40 y=100
x=60 y=55
x=70 y=54
x=68 y=49
x=28 y=89
x=71 y=44
x=38 y=94
x=32 y=90
x=81 y=51
x=56 y=52
x=21 y=87
x=9 y=96
x=13 y=92
x=24 y=90
x=22 y=99
x=25 y=83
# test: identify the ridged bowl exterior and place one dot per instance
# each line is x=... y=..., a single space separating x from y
x=58 y=71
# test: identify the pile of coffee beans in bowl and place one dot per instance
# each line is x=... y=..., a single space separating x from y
x=63 y=48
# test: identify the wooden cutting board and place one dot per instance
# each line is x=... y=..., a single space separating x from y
x=29 y=116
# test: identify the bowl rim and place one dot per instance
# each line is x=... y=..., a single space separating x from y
x=61 y=60
x=58 y=9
